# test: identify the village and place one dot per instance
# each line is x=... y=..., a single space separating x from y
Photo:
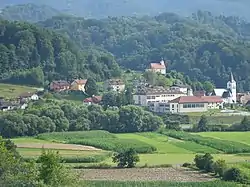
x=174 y=99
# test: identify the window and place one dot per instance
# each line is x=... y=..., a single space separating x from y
x=153 y=97
x=172 y=105
x=148 y=97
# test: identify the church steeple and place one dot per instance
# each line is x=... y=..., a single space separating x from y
x=232 y=78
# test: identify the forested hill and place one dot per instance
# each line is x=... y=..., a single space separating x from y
x=204 y=47
x=30 y=55
x=28 y=12
x=105 y=8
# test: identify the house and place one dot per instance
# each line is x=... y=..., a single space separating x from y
x=60 y=85
x=214 y=102
x=27 y=96
x=185 y=104
x=229 y=94
x=158 y=67
x=154 y=97
x=116 y=85
x=78 y=85
x=93 y=100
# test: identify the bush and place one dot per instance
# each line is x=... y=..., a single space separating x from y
x=204 y=162
x=219 y=167
x=186 y=165
x=222 y=145
x=234 y=174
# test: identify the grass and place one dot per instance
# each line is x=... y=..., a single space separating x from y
x=157 y=140
x=156 y=184
x=243 y=137
x=12 y=91
x=217 y=119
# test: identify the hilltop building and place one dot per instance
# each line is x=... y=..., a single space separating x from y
x=158 y=67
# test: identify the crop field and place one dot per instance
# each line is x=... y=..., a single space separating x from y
x=243 y=137
x=10 y=90
x=145 y=174
x=157 y=184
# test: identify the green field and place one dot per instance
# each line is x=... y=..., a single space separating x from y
x=243 y=137
x=11 y=91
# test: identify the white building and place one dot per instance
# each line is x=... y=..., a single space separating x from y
x=229 y=95
x=155 y=98
x=116 y=85
x=158 y=67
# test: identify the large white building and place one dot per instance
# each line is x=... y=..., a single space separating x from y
x=229 y=95
x=155 y=98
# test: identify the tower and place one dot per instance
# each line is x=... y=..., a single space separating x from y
x=231 y=86
x=162 y=62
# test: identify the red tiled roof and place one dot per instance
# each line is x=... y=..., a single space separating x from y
x=157 y=66
x=188 y=99
x=80 y=81
x=212 y=99
x=94 y=99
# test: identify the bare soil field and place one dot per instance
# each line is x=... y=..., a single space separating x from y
x=57 y=146
x=145 y=174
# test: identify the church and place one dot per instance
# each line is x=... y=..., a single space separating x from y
x=228 y=95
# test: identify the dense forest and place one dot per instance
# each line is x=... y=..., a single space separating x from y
x=105 y=8
x=28 y=12
x=204 y=47
x=30 y=55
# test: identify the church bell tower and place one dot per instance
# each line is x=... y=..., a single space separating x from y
x=231 y=85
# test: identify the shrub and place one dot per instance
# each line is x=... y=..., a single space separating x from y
x=234 y=174
x=204 y=162
x=186 y=165
x=219 y=167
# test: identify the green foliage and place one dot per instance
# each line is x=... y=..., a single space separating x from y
x=204 y=162
x=219 y=167
x=32 y=55
x=202 y=125
x=126 y=158
x=223 y=145
x=91 y=87
x=51 y=171
x=234 y=174
x=204 y=51
x=116 y=144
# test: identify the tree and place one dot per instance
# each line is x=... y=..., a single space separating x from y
x=51 y=170
x=109 y=99
x=219 y=167
x=203 y=124
x=126 y=158
x=234 y=174
x=91 y=87
x=208 y=86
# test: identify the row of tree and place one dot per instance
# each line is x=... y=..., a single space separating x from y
x=49 y=115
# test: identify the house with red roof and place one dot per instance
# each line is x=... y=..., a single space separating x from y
x=158 y=67
x=93 y=100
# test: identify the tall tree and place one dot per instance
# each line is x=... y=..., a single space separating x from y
x=91 y=87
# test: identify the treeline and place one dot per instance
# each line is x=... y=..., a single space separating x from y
x=32 y=55
x=49 y=116
x=203 y=47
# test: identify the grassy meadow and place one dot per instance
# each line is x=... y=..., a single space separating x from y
x=12 y=91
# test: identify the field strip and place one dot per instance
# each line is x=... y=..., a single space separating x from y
x=162 y=147
x=145 y=174
x=57 y=146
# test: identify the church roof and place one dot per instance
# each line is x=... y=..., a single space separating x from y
x=219 y=91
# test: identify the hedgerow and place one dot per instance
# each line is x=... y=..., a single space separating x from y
x=222 y=145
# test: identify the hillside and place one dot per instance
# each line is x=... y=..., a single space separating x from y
x=28 y=12
x=30 y=55
x=204 y=47
x=105 y=8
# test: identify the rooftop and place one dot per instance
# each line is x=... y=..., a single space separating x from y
x=188 y=99
x=156 y=90
x=212 y=99
x=80 y=81
x=115 y=82
x=157 y=66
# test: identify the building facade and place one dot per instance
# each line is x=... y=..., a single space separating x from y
x=158 y=67
x=116 y=85
x=78 y=85
x=60 y=85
